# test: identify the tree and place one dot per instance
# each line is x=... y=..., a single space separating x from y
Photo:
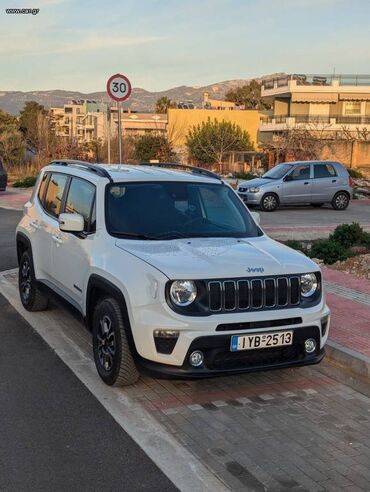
x=153 y=146
x=12 y=144
x=33 y=124
x=162 y=104
x=249 y=96
x=209 y=141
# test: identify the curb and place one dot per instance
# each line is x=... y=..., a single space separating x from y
x=357 y=363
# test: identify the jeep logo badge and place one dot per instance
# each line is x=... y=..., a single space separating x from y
x=255 y=270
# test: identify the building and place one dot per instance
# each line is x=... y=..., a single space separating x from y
x=209 y=103
x=333 y=104
x=84 y=121
x=180 y=121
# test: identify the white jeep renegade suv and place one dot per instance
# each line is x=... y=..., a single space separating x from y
x=170 y=270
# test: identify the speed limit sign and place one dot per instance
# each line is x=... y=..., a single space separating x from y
x=119 y=87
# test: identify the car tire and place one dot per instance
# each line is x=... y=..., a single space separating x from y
x=112 y=355
x=340 y=200
x=31 y=296
x=317 y=205
x=269 y=202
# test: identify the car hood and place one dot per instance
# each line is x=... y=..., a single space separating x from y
x=202 y=258
x=256 y=182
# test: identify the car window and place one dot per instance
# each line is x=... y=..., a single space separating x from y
x=54 y=193
x=215 y=210
x=80 y=200
x=42 y=187
x=300 y=172
x=324 y=171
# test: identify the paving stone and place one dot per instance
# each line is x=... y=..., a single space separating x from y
x=195 y=407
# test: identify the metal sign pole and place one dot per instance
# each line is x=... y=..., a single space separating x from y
x=108 y=132
x=119 y=133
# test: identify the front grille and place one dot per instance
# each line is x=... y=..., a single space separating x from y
x=253 y=294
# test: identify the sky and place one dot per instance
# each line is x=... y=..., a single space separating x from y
x=160 y=44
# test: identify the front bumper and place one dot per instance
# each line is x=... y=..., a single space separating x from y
x=218 y=360
x=207 y=334
x=251 y=198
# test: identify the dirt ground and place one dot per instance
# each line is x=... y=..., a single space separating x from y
x=357 y=265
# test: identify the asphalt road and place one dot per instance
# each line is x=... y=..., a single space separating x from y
x=8 y=222
x=358 y=211
x=54 y=434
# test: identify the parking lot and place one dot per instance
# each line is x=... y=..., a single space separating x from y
x=294 y=429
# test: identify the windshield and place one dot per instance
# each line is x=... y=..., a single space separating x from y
x=171 y=210
x=278 y=171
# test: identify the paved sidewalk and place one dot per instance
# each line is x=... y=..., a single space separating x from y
x=287 y=430
x=14 y=198
x=349 y=336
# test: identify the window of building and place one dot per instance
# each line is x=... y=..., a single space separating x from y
x=352 y=107
x=324 y=171
x=78 y=110
x=80 y=200
x=68 y=110
x=300 y=172
x=54 y=193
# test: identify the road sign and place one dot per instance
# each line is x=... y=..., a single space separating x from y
x=119 y=87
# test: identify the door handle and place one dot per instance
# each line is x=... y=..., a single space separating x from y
x=35 y=224
x=333 y=180
x=57 y=239
x=306 y=183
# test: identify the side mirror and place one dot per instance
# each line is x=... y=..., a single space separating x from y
x=71 y=222
x=288 y=177
x=256 y=217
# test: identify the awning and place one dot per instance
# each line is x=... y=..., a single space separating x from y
x=354 y=97
x=317 y=97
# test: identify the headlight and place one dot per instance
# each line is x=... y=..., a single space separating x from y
x=183 y=292
x=308 y=284
x=253 y=189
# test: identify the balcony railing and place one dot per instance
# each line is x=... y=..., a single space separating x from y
x=337 y=119
x=317 y=80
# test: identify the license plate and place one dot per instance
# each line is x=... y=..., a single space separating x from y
x=260 y=341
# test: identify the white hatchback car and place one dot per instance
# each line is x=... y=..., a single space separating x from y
x=170 y=270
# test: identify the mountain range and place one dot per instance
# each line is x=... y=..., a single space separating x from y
x=140 y=100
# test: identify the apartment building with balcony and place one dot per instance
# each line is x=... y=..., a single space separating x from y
x=333 y=104
x=83 y=121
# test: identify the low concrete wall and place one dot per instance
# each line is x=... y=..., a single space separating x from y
x=354 y=154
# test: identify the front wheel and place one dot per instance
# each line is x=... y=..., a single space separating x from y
x=269 y=202
x=112 y=355
x=340 y=201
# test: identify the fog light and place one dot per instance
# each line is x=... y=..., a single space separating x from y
x=196 y=358
x=310 y=345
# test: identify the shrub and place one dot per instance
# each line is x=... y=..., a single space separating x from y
x=245 y=176
x=294 y=244
x=348 y=234
x=329 y=251
x=365 y=240
x=26 y=182
x=354 y=174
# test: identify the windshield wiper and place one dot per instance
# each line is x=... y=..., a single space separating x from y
x=131 y=235
x=267 y=177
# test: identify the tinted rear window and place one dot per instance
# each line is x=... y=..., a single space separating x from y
x=324 y=171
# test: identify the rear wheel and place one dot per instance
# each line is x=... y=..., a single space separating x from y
x=269 y=202
x=340 y=201
x=112 y=355
x=31 y=296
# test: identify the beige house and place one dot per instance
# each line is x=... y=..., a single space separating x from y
x=328 y=103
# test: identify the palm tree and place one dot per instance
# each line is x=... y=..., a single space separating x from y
x=162 y=104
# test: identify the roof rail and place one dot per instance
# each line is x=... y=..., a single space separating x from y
x=99 y=170
x=193 y=169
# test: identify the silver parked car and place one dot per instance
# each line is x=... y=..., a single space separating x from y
x=311 y=182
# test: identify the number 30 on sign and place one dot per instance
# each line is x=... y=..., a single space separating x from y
x=119 y=87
